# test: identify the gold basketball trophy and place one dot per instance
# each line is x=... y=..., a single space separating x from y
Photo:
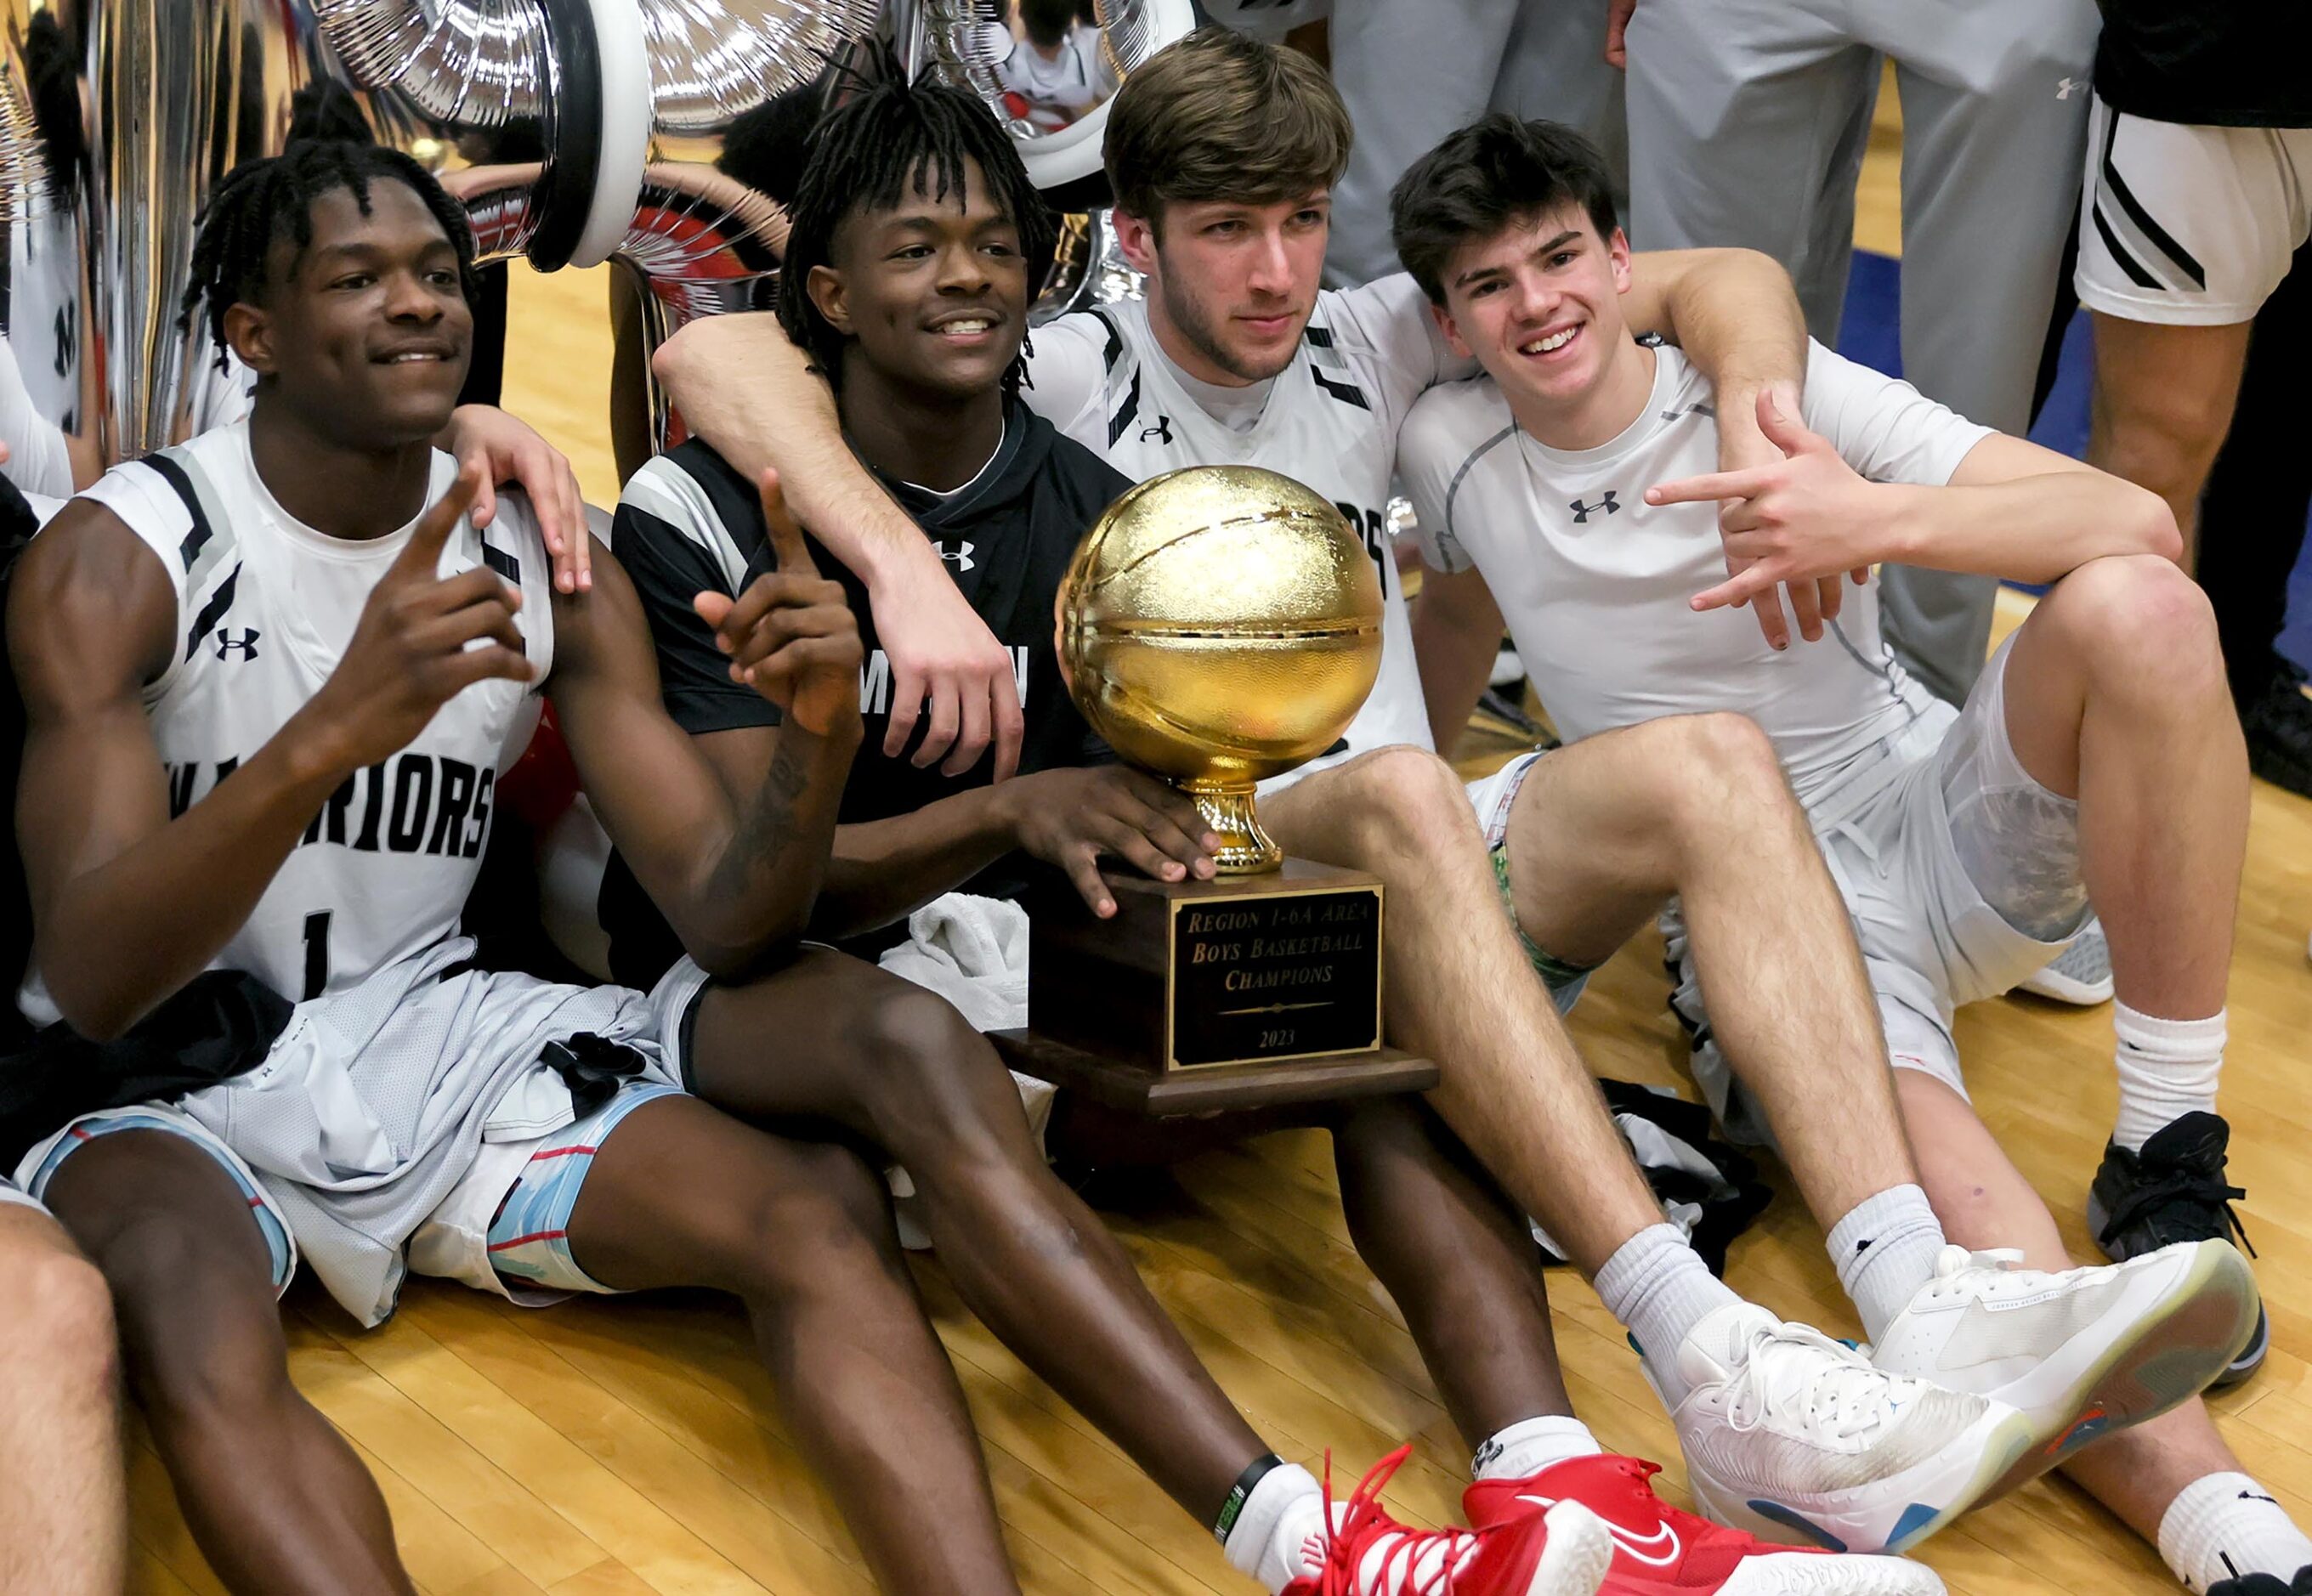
x=1218 y=626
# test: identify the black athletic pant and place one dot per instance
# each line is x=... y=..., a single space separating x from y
x=2252 y=516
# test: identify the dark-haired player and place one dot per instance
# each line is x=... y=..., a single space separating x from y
x=269 y=678
x=2097 y=755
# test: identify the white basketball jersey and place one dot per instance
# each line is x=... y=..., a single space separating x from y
x=1330 y=421
x=265 y=608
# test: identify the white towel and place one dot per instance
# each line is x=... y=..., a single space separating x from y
x=973 y=952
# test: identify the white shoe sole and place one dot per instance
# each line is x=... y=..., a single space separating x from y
x=2056 y=987
x=1795 y=1573
x=1892 y=1515
x=2185 y=1324
x=1579 y=1551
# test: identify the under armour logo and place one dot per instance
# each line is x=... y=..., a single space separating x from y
x=960 y=556
x=1581 y=512
x=246 y=642
x=2063 y=88
x=1161 y=431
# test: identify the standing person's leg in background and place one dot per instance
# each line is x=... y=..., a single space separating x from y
x=2253 y=516
x=1410 y=74
x=1556 y=68
x=1994 y=129
x=1747 y=120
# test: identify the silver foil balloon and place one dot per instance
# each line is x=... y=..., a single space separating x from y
x=573 y=131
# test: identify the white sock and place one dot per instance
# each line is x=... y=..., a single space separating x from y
x=1884 y=1251
x=1281 y=1515
x=2168 y=1068
x=1530 y=1445
x=2222 y=1526
x=1658 y=1287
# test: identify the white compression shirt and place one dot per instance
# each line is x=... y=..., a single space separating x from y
x=1594 y=582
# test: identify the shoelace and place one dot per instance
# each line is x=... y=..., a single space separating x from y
x=1362 y=1517
x=2008 y=1277
x=1783 y=1372
x=2180 y=1185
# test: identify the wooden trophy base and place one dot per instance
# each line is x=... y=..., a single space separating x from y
x=1135 y=1088
x=1212 y=997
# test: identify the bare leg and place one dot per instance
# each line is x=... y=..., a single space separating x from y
x=1459 y=988
x=2115 y=696
x=1983 y=1201
x=63 y=1516
x=2163 y=402
x=1604 y=832
x=1462 y=1264
x=837 y=1039
x=1696 y=805
x=681 y=1194
x=276 y=1497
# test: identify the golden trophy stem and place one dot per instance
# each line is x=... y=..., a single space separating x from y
x=1246 y=847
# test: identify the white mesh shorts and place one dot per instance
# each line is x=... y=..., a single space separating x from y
x=10 y=1195
x=1908 y=841
x=2189 y=226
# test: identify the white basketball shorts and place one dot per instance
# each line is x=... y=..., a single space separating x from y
x=2189 y=226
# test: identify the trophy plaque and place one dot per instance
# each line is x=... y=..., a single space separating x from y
x=1218 y=625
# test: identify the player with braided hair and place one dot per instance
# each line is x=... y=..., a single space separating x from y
x=888 y=143
x=259 y=202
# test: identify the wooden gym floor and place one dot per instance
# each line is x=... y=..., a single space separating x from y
x=622 y=1447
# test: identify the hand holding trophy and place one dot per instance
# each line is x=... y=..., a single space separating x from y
x=1218 y=626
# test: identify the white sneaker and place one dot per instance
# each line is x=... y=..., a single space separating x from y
x=2083 y=1352
x=1791 y=1435
x=2080 y=975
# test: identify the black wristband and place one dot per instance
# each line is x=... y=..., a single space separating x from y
x=1241 y=1492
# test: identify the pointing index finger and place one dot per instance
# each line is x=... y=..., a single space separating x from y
x=422 y=555
x=1719 y=485
x=786 y=537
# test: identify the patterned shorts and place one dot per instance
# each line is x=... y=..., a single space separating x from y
x=1494 y=797
x=530 y=1239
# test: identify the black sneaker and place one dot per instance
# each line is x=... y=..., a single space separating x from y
x=2277 y=723
x=2174 y=1190
x=2263 y=1584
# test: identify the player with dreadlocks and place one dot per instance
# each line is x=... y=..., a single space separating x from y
x=916 y=247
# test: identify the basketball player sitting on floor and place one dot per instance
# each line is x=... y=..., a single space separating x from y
x=916 y=299
x=1221 y=150
x=2098 y=756
x=270 y=677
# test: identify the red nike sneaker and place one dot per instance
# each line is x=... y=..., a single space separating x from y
x=1661 y=1551
x=1559 y=1551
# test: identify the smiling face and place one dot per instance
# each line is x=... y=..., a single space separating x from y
x=364 y=334
x=1233 y=283
x=933 y=296
x=1538 y=305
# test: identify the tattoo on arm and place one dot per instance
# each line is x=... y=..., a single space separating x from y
x=766 y=829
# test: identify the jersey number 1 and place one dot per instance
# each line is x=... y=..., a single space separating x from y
x=317 y=954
